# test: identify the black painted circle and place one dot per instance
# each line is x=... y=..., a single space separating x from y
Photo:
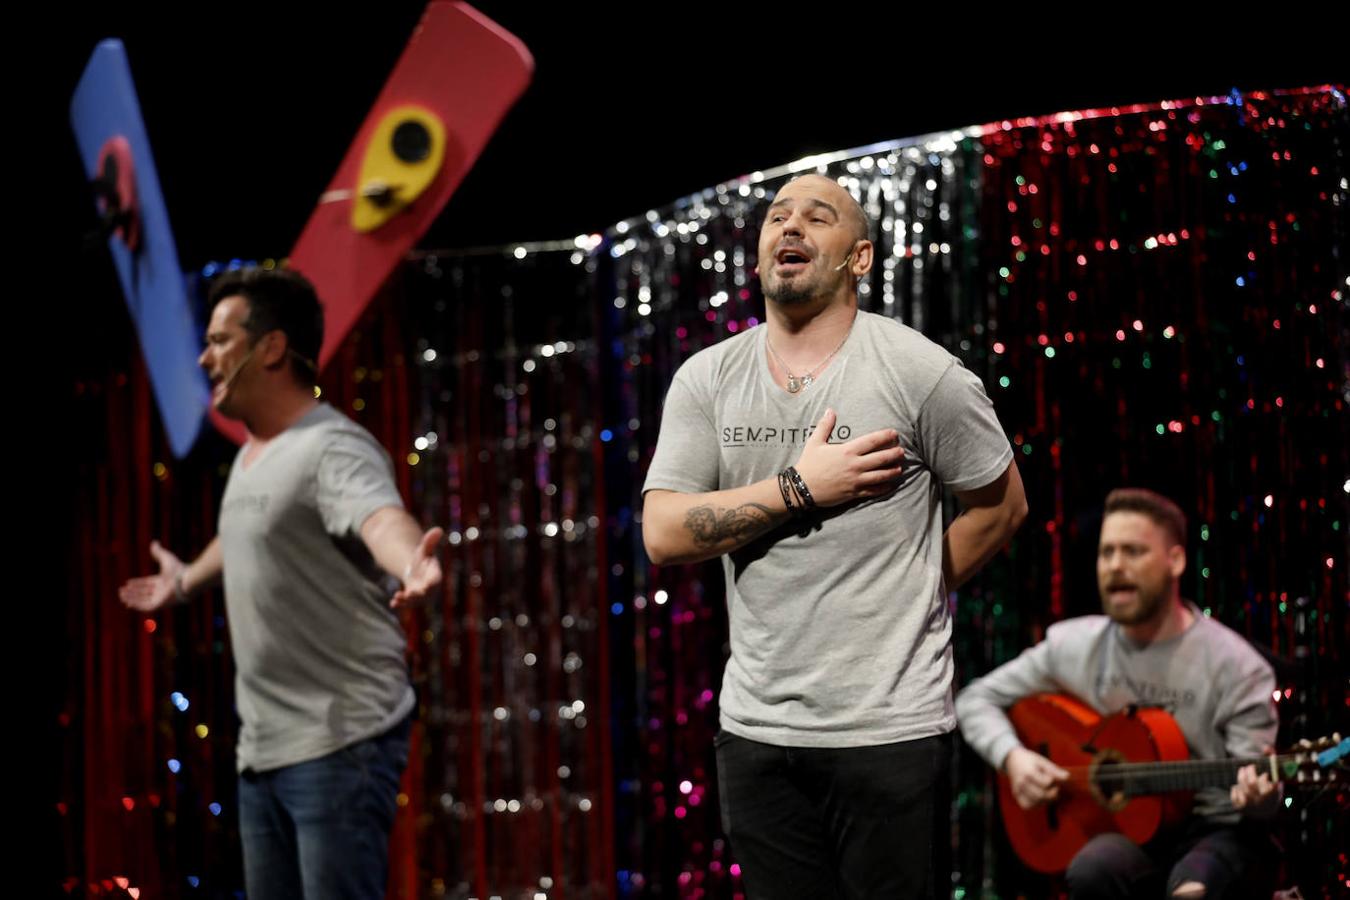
x=411 y=141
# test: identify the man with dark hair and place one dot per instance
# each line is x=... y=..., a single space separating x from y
x=1151 y=648
x=1164 y=513
x=278 y=300
x=812 y=453
x=311 y=525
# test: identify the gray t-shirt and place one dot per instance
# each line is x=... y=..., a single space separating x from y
x=841 y=636
x=1211 y=681
x=319 y=656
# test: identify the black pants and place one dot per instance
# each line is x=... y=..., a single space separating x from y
x=1227 y=860
x=859 y=822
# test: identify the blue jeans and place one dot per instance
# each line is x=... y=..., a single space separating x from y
x=857 y=822
x=320 y=829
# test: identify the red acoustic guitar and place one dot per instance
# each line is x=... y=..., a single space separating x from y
x=1128 y=772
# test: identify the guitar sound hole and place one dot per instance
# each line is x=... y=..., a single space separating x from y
x=1108 y=782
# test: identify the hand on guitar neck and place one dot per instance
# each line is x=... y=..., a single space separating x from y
x=1255 y=794
x=1034 y=778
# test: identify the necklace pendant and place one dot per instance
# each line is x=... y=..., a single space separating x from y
x=793 y=384
x=807 y=380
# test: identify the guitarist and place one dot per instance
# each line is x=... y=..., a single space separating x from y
x=1151 y=648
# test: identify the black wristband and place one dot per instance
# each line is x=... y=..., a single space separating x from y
x=800 y=484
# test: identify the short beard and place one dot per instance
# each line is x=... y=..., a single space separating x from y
x=796 y=292
x=1147 y=609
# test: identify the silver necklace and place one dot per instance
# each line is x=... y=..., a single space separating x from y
x=797 y=383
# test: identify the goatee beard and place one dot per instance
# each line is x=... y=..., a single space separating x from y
x=785 y=295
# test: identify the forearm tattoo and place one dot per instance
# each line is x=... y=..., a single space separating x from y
x=712 y=525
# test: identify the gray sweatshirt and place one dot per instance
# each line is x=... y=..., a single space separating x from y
x=1212 y=682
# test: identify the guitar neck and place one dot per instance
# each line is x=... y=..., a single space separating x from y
x=1136 y=779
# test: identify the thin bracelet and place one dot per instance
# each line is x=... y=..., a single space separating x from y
x=784 y=487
